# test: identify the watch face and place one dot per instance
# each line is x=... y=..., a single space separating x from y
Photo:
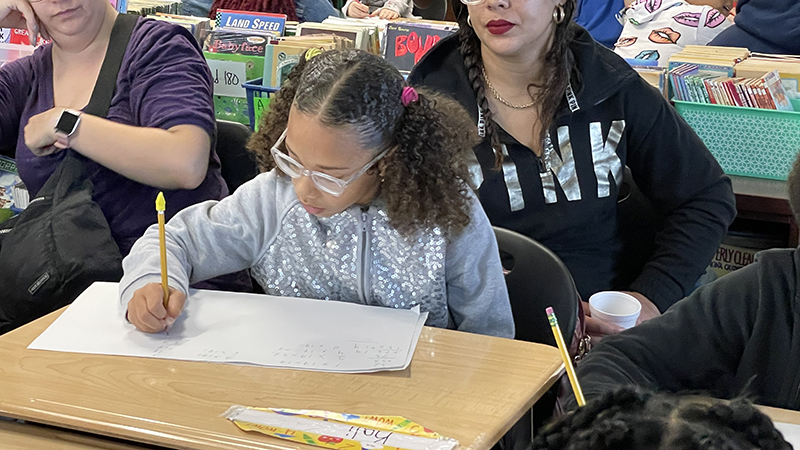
x=67 y=121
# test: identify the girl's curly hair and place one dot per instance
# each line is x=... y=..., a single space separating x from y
x=629 y=418
x=425 y=177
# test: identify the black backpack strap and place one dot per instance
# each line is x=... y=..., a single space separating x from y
x=107 y=78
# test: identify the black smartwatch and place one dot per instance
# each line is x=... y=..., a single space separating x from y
x=68 y=123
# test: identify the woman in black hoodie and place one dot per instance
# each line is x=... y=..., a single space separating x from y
x=561 y=117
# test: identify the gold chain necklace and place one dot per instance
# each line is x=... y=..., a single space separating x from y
x=501 y=99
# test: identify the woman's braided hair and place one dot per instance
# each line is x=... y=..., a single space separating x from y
x=558 y=67
x=425 y=177
x=629 y=418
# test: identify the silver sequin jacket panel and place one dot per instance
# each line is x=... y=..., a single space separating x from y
x=353 y=256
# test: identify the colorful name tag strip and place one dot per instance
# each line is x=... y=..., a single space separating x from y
x=339 y=431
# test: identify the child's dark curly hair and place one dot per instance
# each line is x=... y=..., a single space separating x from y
x=629 y=418
x=425 y=177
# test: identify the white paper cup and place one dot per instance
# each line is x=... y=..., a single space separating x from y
x=616 y=307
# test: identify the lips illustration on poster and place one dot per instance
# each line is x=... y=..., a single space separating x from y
x=664 y=35
x=652 y=5
x=714 y=19
x=625 y=41
x=689 y=19
x=648 y=55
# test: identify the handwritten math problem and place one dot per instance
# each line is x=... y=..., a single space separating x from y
x=334 y=356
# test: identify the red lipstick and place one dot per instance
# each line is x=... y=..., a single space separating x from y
x=499 y=26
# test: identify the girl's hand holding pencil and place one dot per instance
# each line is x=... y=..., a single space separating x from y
x=155 y=307
x=386 y=14
x=146 y=308
x=358 y=10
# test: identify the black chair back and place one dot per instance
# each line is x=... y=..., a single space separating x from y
x=536 y=280
x=237 y=165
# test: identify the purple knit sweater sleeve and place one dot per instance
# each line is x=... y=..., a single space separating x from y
x=168 y=79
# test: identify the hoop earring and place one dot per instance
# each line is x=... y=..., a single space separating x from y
x=559 y=14
x=469 y=20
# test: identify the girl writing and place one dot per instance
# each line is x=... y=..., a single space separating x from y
x=365 y=201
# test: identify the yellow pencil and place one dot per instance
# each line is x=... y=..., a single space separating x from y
x=562 y=346
x=161 y=205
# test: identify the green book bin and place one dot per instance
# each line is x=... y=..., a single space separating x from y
x=760 y=143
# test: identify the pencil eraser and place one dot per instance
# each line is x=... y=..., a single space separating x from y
x=549 y=310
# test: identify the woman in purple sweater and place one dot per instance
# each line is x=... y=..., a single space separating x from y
x=159 y=129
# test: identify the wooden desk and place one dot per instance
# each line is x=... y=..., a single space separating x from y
x=29 y=436
x=781 y=415
x=465 y=386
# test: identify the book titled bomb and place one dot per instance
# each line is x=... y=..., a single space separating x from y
x=407 y=42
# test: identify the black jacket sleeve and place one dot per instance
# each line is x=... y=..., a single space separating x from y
x=696 y=345
x=675 y=170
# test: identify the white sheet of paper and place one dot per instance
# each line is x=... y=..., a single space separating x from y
x=241 y=328
x=791 y=433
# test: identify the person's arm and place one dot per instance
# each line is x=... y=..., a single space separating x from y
x=176 y=158
x=678 y=174
x=169 y=89
x=476 y=289
x=694 y=346
x=207 y=240
x=362 y=9
x=401 y=7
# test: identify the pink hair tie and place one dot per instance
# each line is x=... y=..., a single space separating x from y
x=409 y=95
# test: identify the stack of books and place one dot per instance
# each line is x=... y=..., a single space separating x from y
x=365 y=36
x=282 y=54
x=788 y=68
x=235 y=51
x=691 y=84
x=198 y=26
x=13 y=194
x=718 y=59
x=654 y=76
x=151 y=7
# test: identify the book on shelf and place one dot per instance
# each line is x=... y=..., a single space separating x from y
x=198 y=26
x=408 y=40
x=788 y=68
x=281 y=55
x=709 y=58
x=151 y=7
x=364 y=37
x=766 y=91
x=13 y=194
x=267 y=23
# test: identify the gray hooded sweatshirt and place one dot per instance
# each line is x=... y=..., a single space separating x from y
x=354 y=256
